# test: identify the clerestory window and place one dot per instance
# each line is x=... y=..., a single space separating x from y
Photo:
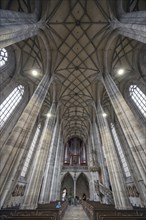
x=3 y=56
x=10 y=103
x=120 y=151
x=139 y=98
x=30 y=152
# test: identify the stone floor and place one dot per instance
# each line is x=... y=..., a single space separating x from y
x=75 y=213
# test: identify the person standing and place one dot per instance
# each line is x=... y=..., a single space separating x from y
x=84 y=197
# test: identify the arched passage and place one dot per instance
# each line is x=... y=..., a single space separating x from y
x=82 y=186
x=68 y=184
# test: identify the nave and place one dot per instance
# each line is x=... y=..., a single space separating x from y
x=72 y=105
x=86 y=210
x=75 y=213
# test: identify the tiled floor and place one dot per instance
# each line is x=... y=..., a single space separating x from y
x=75 y=213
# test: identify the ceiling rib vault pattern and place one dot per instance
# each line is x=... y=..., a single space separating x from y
x=77 y=33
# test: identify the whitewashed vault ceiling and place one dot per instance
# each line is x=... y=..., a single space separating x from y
x=78 y=31
x=77 y=27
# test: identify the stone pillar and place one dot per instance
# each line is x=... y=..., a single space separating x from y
x=93 y=147
x=100 y=154
x=58 y=178
x=49 y=175
x=132 y=167
x=132 y=25
x=18 y=26
x=90 y=150
x=94 y=165
x=89 y=162
x=14 y=151
x=113 y=164
x=34 y=184
x=93 y=175
x=131 y=128
x=75 y=181
x=101 y=159
x=56 y=170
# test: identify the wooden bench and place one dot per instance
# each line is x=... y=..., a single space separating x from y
x=50 y=205
x=27 y=218
x=50 y=214
x=97 y=211
x=44 y=211
x=120 y=214
x=122 y=218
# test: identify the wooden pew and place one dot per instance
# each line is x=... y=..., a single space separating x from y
x=27 y=218
x=122 y=218
x=120 y=214
x=97 y=211
x=30 y=214
x=52 y=205
x=44 y=211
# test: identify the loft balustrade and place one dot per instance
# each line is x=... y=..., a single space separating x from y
x=75 y=168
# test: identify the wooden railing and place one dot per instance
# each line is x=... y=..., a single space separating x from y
x=98 y=211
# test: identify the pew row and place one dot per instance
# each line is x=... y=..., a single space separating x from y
x=98 y=211
x=44 y=211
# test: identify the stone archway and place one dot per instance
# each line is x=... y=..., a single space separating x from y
x=68 y=183
x=82 y=186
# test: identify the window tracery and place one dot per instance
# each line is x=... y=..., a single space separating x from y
x=30 y=152
x=3 y=56
x=139 y=98
x=120 y=151
x=10 y=103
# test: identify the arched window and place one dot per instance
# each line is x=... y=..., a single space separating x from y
x=120 y=151
x=10 y=103
x=139 y=98
x=3 y=56
x=30 y=152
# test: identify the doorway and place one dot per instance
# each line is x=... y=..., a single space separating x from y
x=68 y=184
x=82 y=186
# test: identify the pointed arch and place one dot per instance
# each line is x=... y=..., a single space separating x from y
x=67 y=183
x=82 y=186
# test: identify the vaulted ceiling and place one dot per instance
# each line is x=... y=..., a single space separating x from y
x=78 y=32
